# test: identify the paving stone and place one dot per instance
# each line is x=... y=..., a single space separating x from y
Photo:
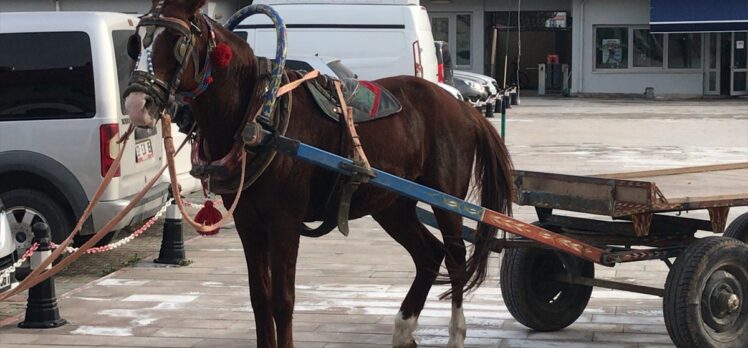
x=350 y=289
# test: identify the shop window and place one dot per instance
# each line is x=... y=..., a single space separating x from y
x=463 y=39
x=611 y=46
x=684 y=51
x=647 y=49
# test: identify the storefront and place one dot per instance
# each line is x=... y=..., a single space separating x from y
x=674 y=47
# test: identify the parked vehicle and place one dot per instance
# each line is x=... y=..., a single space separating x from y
x=7 y=250
x=452 y=90
x=472 y=91
x=375 y=39
x=325 y=65
x=480 y=90
x=61 y=113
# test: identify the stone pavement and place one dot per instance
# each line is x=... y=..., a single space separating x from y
x=349 y=289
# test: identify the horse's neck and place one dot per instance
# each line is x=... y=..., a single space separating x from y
x=220 y=111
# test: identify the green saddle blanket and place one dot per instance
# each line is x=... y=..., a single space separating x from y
x=369 y=100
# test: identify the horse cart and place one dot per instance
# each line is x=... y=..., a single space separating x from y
x=548 y=270
x=627 y=215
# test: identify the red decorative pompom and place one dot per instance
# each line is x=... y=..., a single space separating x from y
x=208 y=215
x=221 y=55
x=210 y=79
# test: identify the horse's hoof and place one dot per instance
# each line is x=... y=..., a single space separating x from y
x=411 y=344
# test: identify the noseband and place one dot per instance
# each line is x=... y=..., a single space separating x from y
x=146 y=81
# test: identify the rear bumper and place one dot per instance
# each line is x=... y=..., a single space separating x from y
x=147 y=207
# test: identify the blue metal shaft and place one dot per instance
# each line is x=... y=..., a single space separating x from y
x=394 y=183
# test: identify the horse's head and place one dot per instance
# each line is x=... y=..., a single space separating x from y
x=168 y=48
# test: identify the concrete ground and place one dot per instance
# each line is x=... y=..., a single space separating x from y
x=349 y=289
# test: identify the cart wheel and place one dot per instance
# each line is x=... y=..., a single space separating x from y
x=533 y=295
x=705 y=293
x=738 y=228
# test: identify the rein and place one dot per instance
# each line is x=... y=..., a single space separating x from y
x=43 y=271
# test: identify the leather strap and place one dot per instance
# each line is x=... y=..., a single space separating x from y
x=295 y=84
x=40 y=273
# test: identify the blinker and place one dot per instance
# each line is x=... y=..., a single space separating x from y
x=133 y=47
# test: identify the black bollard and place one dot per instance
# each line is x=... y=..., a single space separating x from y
x=172 y=242
x=514 y=98
x=506 y=99
x=41 y=308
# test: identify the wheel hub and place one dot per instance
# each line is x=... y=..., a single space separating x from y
x=733 y=303
x=21 y=219
x=721 y=302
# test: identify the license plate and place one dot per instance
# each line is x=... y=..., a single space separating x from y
x=143 y=151
x=4 y=282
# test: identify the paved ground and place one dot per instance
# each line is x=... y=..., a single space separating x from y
x=348 y=290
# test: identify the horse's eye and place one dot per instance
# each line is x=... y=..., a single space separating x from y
x=133 y=46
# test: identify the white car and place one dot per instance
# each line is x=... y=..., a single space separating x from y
x=61 y=113
x=375 y=39
x=7 y=249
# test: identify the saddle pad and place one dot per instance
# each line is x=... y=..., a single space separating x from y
x=368 y=99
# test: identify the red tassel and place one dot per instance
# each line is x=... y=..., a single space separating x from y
x=221 y=55
x=208 y=215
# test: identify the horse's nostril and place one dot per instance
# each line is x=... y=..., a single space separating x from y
x=148 y=101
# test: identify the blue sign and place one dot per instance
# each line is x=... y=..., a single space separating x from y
x=698 y=15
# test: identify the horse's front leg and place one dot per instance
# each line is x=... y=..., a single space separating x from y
x=284 y=251
x=256 y=252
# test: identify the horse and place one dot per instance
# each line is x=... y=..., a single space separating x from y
x=435 y=140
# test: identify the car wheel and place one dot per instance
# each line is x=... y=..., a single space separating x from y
x=25 y=207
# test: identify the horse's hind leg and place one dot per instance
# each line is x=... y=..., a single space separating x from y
x=400 y=222
x=451 y=227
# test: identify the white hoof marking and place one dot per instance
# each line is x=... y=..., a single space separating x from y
x=404 y=328
x=457 y=328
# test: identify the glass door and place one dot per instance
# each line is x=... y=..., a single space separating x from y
x=712 y=66
x=455 y=28
x=739 y=67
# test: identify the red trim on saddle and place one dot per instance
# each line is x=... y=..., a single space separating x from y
x=377 y=96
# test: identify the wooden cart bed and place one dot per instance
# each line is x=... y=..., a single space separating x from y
x=639 y=194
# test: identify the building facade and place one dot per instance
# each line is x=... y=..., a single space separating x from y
x=675 y=47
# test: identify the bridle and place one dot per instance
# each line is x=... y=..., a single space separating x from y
x=145 y=81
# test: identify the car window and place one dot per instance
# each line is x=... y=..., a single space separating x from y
x=242 y=34
x=341 y=70
x=298 y=65
x=125 y=64
x=46 y=76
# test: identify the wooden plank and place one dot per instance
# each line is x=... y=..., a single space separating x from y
x=674 y=171
x=709 y=199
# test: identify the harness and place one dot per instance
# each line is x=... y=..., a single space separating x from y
x=220 y=176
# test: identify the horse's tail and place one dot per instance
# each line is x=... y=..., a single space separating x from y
x=493 y=177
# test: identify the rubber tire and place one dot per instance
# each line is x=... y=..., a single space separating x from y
x=738 y=228
x=683 y=292
x=519 y=290
x=59 y=222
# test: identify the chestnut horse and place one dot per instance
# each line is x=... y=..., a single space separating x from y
x=435 y=140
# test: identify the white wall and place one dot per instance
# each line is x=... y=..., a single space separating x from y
x=588 y=13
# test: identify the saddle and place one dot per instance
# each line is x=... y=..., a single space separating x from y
x=368 y=99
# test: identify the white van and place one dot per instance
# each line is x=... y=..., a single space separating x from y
x=374 y=38
x=61 y=76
